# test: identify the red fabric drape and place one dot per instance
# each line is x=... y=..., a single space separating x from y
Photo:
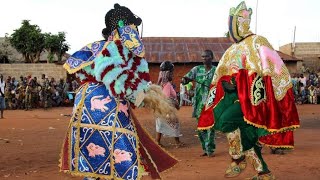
x=270 y=114
x=278 y=117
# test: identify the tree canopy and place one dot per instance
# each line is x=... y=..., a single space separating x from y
x=56 y=44
x=30 y=42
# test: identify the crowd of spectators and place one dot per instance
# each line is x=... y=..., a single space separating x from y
x=29 y=92
x=306 y=87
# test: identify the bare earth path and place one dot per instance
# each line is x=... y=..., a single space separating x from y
x=30 y=143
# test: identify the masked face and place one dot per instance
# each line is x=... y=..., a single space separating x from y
x=239 y=22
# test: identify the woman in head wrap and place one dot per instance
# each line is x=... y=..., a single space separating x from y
x=104 y=138
x=166 y=126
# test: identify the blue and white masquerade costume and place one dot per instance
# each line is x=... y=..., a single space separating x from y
x=104 y=139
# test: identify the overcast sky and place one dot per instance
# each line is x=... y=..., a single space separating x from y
x=83 y=20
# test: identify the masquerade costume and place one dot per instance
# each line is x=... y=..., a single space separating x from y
x=104 y=138
x=251 y=98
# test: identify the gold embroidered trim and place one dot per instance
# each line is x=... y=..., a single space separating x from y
x=74 y=70
x=108 y=128
x=277 y=146
x=77 y=140
x=292 y=127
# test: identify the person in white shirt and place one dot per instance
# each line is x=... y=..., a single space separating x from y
x=183 y=95
x=2 y=100
x=303 y=80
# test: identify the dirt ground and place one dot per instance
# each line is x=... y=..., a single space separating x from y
x=31 y=140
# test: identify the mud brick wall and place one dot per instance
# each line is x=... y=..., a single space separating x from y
x=16 y=70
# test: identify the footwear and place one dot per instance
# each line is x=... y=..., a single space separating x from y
x=211 y=155
x=179 y=145
x=159 y=144
x=204 y=154
x=235 y=169
x=267 y=176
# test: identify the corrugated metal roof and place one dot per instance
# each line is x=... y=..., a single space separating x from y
x=183 y=49
x=189 y=49
x=286 y=57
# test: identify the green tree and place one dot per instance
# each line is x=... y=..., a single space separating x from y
x=56 y=44
x=5 y=51
x=29 y=41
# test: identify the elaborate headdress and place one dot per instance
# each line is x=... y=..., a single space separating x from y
x=239 y=22
x=118 y=17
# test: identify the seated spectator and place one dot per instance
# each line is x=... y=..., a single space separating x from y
x=56 y=98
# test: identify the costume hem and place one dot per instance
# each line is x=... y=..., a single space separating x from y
x=288 y=128
x=74 y=70
x=277 y=146
x=205 y=128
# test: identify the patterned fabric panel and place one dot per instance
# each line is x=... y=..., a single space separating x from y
x=104 y=140
x=126 y=160
x=84 y=56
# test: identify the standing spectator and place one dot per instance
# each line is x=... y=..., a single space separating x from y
x=303 y=80
x=22 y=81
x=21 y=95
x=304 y=95
x=45 y=92
x=28 y=95
x=168 y=127
x=7 y=93
x=35 y=92
x=202 y=75
x=312 y=78
x=2 y=101
x=53 y=82
x=61 y=89
x=183 y=94
x=295 y=85
x=312 y=95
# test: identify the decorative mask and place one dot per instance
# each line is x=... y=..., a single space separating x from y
x=239 y=22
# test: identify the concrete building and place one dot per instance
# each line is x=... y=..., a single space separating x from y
x=309 y=52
